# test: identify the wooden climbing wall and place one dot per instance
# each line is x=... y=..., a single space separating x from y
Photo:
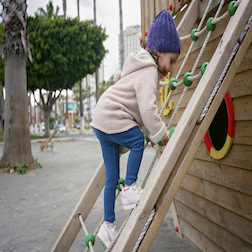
x=213 y=206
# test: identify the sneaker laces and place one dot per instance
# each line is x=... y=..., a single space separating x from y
x=136 y=187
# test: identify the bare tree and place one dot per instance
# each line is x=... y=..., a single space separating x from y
x=66 y=117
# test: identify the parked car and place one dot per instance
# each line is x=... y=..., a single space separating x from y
x=62 y=128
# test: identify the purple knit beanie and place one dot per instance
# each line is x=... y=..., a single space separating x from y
x=163 y=35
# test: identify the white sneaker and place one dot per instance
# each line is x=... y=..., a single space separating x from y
x=106 y=235
x=131 y=196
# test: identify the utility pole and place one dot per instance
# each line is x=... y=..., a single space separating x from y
x=82 y=128
x=97 y=95
x=121 y=35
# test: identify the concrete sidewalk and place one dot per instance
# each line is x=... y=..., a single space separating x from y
x=35 y=207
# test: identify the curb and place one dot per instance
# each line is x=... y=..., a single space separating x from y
x=54 y=140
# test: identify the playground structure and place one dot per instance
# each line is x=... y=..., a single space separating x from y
x=48 y=143
x=208 y=187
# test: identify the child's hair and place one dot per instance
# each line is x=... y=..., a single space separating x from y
x=155 y=56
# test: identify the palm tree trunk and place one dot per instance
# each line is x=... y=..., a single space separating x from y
x=17 y=144
x=1 y=110
x=64 y=8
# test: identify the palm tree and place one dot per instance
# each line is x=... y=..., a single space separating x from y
x=1 y=109
x=49 y=12
x=15 y=47
x=64 y=8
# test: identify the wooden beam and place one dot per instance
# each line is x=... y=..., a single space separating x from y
x=189 y=19
x=83 y=207
x=142 y=18
x=173 y=185
x=186 y=125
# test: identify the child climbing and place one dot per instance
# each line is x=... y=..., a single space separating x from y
x=127 y=109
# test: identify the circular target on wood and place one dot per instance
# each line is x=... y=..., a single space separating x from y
x=219 y=137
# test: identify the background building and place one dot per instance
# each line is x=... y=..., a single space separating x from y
x=131 y=38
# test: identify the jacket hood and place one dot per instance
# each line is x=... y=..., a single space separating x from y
x=137 y=61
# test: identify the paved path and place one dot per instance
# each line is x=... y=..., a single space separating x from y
x=35 y=207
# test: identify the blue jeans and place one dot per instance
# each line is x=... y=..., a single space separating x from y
x=132 y=139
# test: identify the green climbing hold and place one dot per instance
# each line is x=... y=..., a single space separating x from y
x=203 y=67
x=90 y=237
x=146 y=138
x=171 y=85
x=231 y=8
x=160 y=143
x=209 y=25
x=186 y=81
x=171 y=131
x=120 y=182
x=193 y=37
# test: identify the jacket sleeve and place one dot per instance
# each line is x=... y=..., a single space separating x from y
x=146 y=93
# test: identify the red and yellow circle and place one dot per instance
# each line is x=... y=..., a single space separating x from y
x=219 y=154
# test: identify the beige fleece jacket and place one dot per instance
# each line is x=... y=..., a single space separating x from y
x=131 y=100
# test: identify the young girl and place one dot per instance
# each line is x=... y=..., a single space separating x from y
x=127 y=108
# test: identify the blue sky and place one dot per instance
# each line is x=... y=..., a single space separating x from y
x=107 y=15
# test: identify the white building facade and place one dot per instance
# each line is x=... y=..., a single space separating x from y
x=131 y=40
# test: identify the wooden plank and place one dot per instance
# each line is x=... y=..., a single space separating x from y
x=83 y=207
x=189 y=18
x=152 y=13
x=177 y=117
x=164 y=4
x=239 y=156
x=158 y=6
x=231 y=177
x=143 y=28
x=247 y=61
x=243 y=108
x=241 y=84
x=169 y=190
x=175 y=220
x=175 y=98
x=213 y=40
x=243 y=132
x=196 y=237
x=232 y=222
x=219 y=235
x=237 y=202
x=147 y=20
x=179 y=16
x=184 y=129
x=206 y=57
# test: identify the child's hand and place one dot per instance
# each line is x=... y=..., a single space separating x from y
x=152 y=144
x=165 y=139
